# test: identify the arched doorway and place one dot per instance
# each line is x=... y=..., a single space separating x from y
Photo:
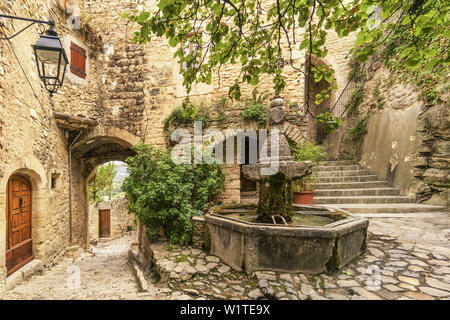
x=312 y=88
x=19 y=244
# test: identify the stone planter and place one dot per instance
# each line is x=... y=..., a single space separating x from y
x=303 y=197
x=250 y=247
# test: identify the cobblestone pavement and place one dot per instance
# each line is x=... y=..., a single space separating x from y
x=105 y=274
x=407 y=258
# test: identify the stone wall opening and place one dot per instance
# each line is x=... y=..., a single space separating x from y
x=94 y=149
x=312 y=88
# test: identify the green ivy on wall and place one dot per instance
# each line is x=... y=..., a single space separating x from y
x=359 y=130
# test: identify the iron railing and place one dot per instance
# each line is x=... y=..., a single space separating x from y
x=339 y=107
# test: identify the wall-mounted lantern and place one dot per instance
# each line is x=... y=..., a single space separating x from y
x=51 y=59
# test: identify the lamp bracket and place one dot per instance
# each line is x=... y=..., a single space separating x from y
x=51 y=23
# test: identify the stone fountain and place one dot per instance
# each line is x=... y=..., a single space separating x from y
x=275 y=186
x=275 y=235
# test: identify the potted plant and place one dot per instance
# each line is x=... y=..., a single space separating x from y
x=306 y=151
x=304 y=190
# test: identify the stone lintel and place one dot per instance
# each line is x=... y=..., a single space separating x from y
x=73 y=122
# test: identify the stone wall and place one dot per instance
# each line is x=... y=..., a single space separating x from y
x=31 y=144
x=407 y=141
x=119 y=217
x=128 y=92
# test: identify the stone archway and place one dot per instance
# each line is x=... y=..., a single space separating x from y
x=96 y=147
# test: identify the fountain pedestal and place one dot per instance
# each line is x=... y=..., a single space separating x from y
x=275 y=186
x=248 y=245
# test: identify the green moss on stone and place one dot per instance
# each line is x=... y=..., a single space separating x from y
x=275 y=198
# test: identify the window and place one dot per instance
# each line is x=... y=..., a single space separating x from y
x=191 y=48
x=78 y=60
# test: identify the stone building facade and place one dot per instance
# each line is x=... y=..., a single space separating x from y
x=128 y=91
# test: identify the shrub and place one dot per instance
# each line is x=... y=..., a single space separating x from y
x=186 y=115
x=307 y=151
x=165 y=195
x=221 y=105
x=256 y=110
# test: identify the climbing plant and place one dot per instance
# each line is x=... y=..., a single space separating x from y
x=355 y=100
x=165 y=196
x=431 y=73
x=359 y=130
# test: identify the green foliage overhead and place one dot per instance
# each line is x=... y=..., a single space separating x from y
x=166 y=196
x=410 y=26
x=250 y=33
x=103 y=183
x=431 y=74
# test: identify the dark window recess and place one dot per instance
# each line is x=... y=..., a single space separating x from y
x=78 y=60
x=53 y=183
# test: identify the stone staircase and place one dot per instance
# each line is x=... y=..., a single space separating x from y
x=343 y=184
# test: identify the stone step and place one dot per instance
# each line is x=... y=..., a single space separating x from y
x=35 y=266
x=347 y=179
x=357 y=192
x=336 y=163
x=388 y=208
x=401 y=215
x=352 y=185
x=337 y=168
x=362 y=199
x=343 y=173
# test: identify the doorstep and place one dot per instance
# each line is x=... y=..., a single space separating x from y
x=16 y=278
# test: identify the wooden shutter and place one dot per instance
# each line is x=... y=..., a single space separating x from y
x=78 y=60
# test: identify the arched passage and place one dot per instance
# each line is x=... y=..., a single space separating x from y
x=95 y=148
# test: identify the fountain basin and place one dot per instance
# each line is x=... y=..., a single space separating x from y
x=322 y=240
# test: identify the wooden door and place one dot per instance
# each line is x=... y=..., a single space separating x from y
x=105 y=223
x=19 y=245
